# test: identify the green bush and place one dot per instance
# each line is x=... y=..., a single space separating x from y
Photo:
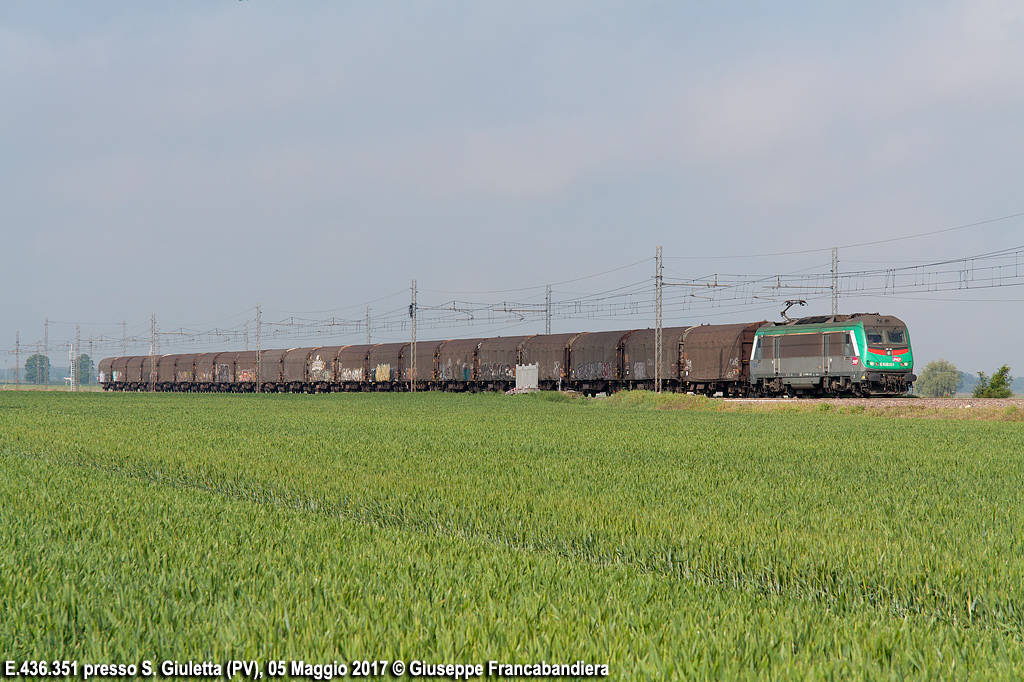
x=996 y=387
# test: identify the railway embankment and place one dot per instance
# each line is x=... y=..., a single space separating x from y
x=985 y=409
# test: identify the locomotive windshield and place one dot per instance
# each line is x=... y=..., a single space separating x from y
x=886 y=336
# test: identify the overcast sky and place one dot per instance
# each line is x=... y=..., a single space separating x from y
x=191 y=159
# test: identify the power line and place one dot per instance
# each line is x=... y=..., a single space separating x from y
x=853 y=246
x=637 y=300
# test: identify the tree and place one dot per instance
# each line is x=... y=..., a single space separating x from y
x=996 y=387
x=938 y=378
x=37 y=369
x=83 y=370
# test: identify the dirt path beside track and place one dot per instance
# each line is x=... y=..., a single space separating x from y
x=985 y=409
x=931 y=403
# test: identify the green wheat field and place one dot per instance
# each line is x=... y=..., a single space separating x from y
x=666 y=543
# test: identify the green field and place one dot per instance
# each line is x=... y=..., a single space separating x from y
x=668 y=544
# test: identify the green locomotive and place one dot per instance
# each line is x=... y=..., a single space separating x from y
x=862 y=355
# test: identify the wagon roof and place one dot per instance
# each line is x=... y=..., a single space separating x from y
x=462 y=345
x=602 y=339
x=388 y=350
x=358 y=352
x=273 y=355
x=546 y=341
x=330 y=352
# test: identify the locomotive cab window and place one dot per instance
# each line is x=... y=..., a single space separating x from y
x=876 y=337
x=897 y=336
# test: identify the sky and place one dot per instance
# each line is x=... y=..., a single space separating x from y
x=192 y=159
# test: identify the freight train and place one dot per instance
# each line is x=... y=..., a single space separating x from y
x=842 y=355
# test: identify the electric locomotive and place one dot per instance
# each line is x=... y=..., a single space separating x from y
x=866 y=354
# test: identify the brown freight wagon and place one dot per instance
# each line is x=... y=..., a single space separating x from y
x=638 y=358
x=243 y=379
x=224 y=369
x=551 y=353
x=115 y=376
x=214 y=371
x=184 y=372
x=458 y=364
x=106 y=376
x=270 y=370
x=596 y=361
x=384 y=362
x=497 y=358
x=426 y=364
x=716 y=358
x=352 y=372
x=119 y=372
x=204 y=370
x=165 y=372
x=136 y=375
x=321 y=369
x=293 y=370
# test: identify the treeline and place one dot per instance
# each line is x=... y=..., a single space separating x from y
x=941 y=378
x=38 y=370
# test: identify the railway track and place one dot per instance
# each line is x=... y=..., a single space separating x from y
x=959 y=403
